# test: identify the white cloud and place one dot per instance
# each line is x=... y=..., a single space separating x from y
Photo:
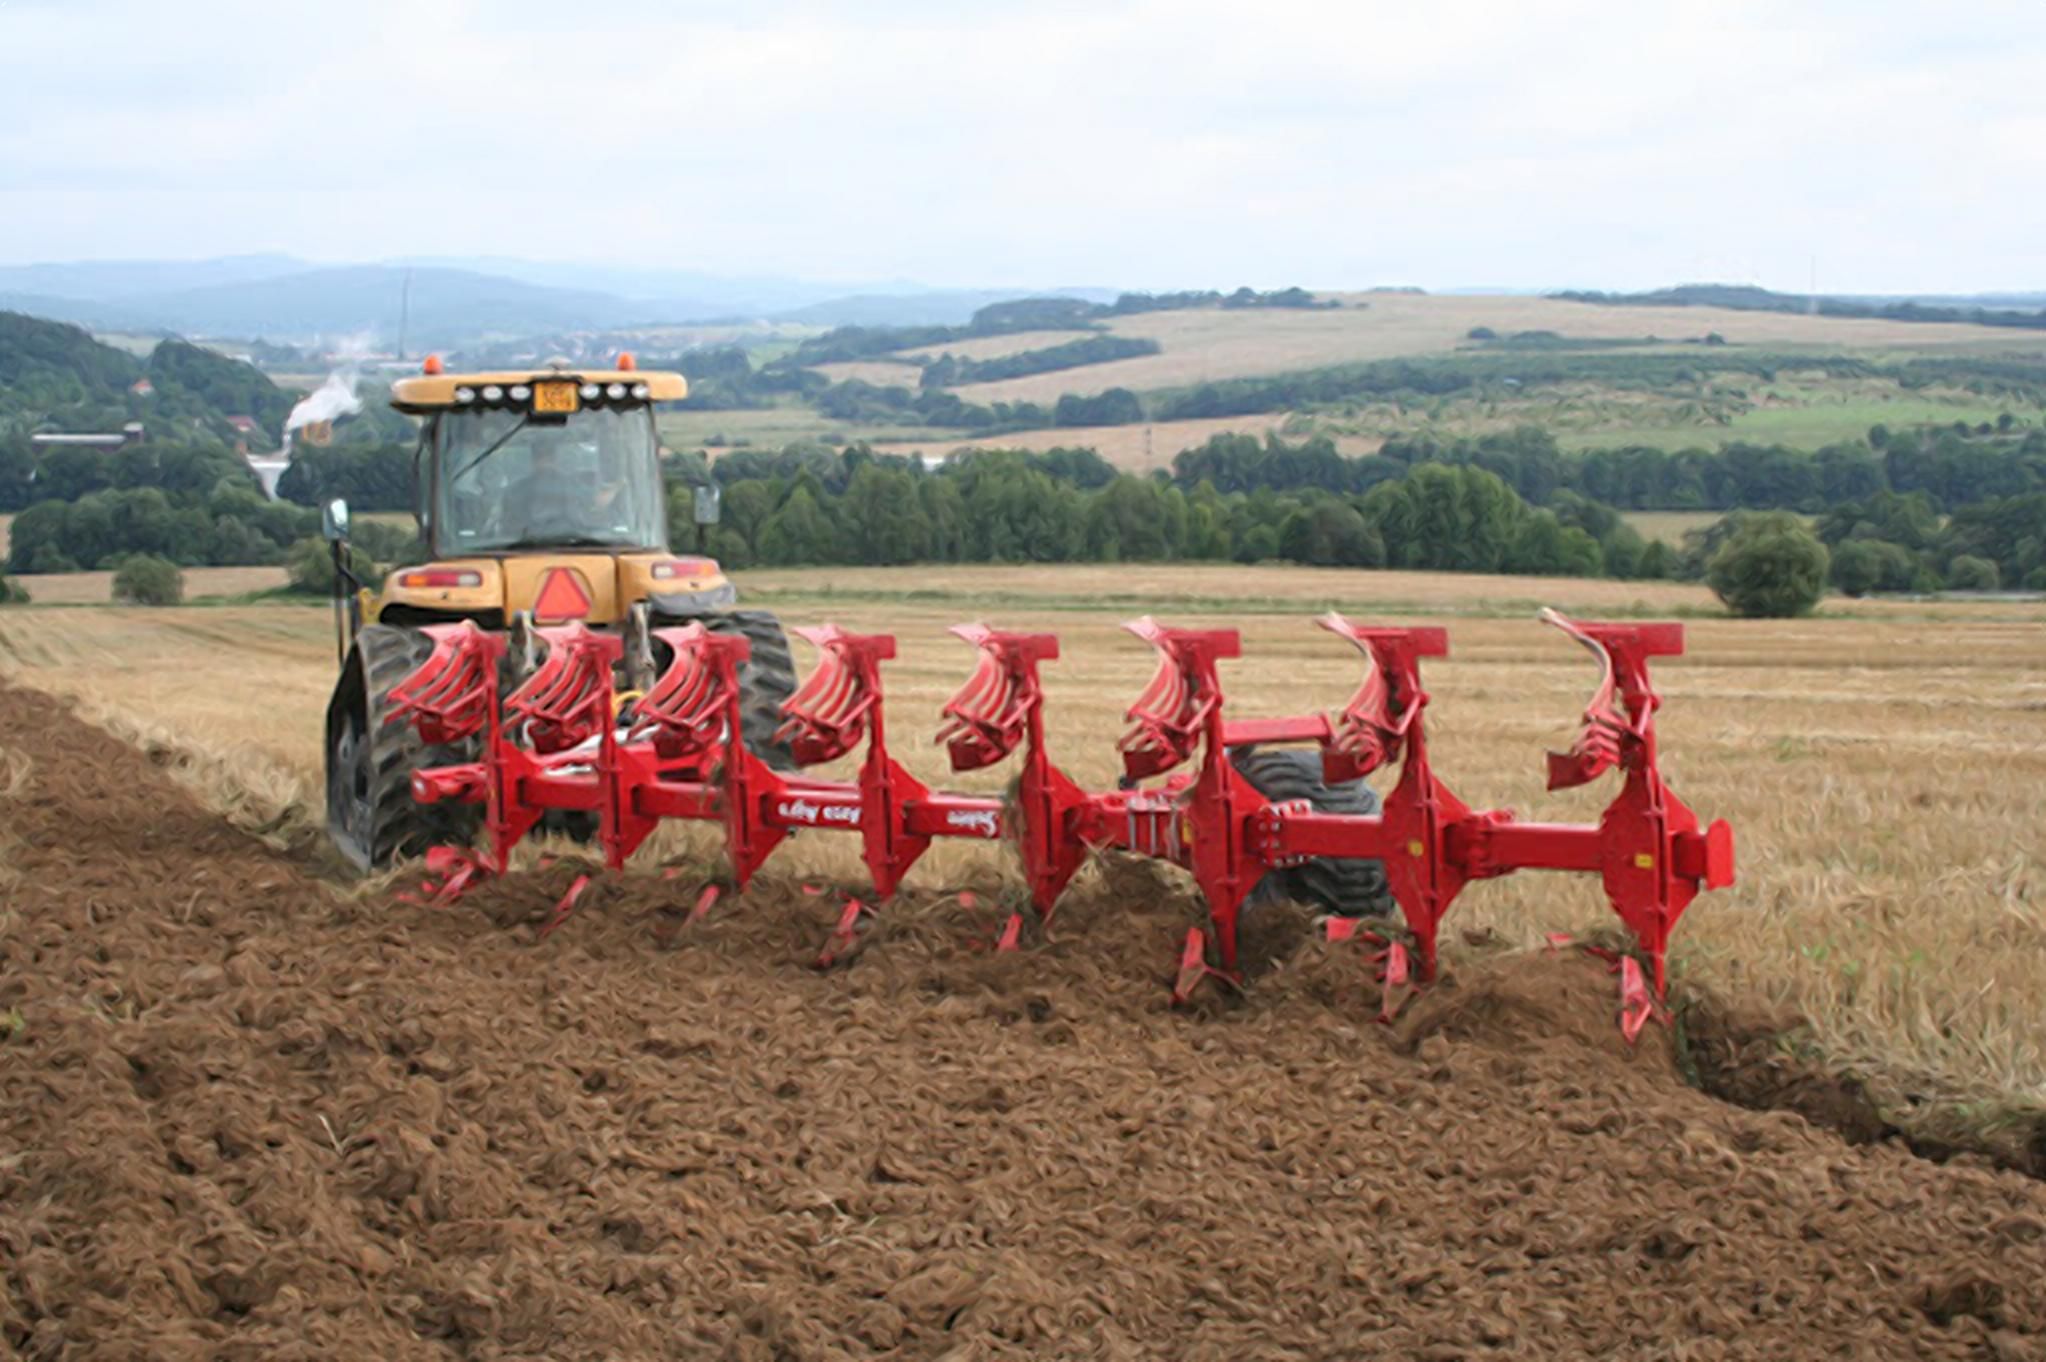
x=1133 y=142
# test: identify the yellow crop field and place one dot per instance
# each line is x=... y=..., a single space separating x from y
x=1134 y=448
x=97 y=588
x=1203 y=344
x=1884 y=764
x=879 y=372
x=994 y=347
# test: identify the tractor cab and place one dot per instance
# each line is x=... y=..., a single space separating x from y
x=538 y=493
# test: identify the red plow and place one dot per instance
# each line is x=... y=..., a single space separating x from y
x=564 y=739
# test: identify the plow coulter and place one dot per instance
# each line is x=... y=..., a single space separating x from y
x=564 y=738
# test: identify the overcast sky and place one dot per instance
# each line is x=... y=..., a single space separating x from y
x=1135 y=143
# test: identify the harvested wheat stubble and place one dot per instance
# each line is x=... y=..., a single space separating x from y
x=248 y=1117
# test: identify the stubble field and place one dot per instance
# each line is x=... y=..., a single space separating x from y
x=1205 y=344
x=1884 y=765
x=248 y=1110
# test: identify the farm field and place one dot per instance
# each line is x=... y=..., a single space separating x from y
x=248 y=1114
x=97 y=588
x=768 y=429
x=1132 y=448
x=1802 y=411
x=1805 y=410
x=244 y=1100
x=1204 y=344
x=1823 y=422
x=1882 y=892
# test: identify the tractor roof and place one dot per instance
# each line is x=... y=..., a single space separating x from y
x=436 y=391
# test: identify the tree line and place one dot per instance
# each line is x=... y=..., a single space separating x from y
x=806 y=505
x=1952 y=466
x=811 y=506
x=949 y=370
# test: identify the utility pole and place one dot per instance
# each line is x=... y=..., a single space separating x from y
x=404 y=312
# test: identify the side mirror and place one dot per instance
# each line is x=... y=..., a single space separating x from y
x=334 y=521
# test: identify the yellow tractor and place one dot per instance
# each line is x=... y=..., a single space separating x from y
x=540 y=501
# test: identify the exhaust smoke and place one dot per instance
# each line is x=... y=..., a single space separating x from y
x=332 y=400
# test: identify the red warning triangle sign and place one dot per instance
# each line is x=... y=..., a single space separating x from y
x=562 y=597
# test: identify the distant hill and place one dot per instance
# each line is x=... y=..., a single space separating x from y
x=670 y=294
x=55 y=376
x=115 y=280
x=453 y=302
x=937 y=307
x=2025 y=310
x=447 y=306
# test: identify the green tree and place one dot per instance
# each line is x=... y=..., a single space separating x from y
x=146 y=579
x=17 y=472
x=12 y=592
x=1857 y=567
x=1207 y=525
x=1658 y=562
x=882 y=517
x=1259 y=543
x=799 y=532
x=1459 y=519
x=945 y=513
x=1543 y=546
x=728 y=547
x=1330 y=533
x=1969 y=573
x=1773 y=567
x=1136 y=520
x=745 y=507
x=1015 y=514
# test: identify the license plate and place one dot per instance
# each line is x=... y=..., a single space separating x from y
x=555 y=398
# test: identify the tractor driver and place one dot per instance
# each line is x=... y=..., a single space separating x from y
x=569 y=489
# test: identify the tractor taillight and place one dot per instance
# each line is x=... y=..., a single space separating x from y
x=441 y=577
x=670 y=569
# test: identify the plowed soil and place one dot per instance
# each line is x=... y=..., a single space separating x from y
x=245 y=1115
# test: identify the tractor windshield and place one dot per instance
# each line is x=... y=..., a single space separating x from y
x=507 y=481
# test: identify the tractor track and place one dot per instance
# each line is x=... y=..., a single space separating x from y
x=243 y=1115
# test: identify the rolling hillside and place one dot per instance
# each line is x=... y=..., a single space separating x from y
x=1207 y=344
x=1667 y=372
x=55 y=376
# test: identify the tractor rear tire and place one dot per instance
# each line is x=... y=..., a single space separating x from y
x=1344 y=886
x=371 y=815
x=766 y=679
